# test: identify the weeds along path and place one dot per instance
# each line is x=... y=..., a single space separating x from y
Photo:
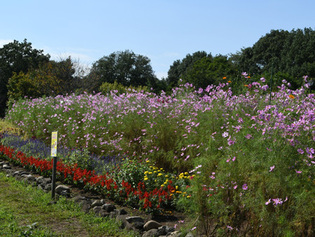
x=25 y=210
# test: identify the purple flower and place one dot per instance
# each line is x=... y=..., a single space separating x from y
x=244 y=187
x=230 y=142
x=271 y=168
x=277 y=201
x=248 y=136
x=305 y=78
x=300 y=151
x=229 y=227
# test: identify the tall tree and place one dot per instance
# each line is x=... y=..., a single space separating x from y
x=126 y=68
x=280 y=51
x=179 y=67
x=16 y=57
x=50 y=79
x=206 y=71
x=66 y=71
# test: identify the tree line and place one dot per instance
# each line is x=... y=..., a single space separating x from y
x=280 y=54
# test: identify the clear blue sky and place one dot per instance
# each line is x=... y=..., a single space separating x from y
x=162 y=30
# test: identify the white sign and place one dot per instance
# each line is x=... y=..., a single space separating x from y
x=54 y=139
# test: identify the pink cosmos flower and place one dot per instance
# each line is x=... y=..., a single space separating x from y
x=244 y=187
x=225 y=134
x=248 y=136
x=300 y=151
x=267 y=203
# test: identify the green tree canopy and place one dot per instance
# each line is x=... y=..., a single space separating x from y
x=292 y=53
x=126 y=68
x=207 y=71
x=65 y=71
x=50 y=79
x=179 y=67
x=17 y=57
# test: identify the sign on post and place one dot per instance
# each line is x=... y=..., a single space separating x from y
x=54 y=137
x=54 y=140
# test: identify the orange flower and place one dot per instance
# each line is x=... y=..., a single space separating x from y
x=248 y=77
x=224 y=78
x=291 y=96
x=246 y=85
x=229 y=82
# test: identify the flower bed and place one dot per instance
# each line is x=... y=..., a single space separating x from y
x=122 y=192
x=251 y=155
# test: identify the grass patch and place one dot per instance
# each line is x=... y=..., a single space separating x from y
x=25 y=211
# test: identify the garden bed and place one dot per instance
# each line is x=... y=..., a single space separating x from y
x=245 y=161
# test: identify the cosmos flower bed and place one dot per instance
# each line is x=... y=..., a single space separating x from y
x=252 y=155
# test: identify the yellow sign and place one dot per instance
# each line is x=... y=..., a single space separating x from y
x=54 y=137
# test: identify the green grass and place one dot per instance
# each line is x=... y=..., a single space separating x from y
x=26 y=211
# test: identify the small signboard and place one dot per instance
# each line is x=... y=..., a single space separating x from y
x=54 y=137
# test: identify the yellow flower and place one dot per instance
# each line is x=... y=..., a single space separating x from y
x=166 y=176
x=189 y=196
x=178 y=191
x=162 y=185
x=146 y=178
x=176 y=187
x=186 y=173
x=146 y=172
